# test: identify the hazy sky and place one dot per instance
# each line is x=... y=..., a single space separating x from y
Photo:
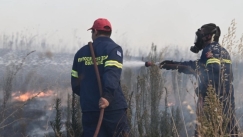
x=135 y=22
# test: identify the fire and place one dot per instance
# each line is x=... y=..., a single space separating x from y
x=23 y=97
x=28 y=95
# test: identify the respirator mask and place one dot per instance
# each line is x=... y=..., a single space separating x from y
x=199 y=42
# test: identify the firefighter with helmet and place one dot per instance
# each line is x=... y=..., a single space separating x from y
x=215 y=69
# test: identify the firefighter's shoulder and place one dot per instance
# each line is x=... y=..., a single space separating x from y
x=219 y=51
x=113 y=47
x=214 y=50
x=82 y=50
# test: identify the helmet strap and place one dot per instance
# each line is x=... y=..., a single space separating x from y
x=212 y=38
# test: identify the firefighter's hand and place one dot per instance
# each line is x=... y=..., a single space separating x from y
x=103 y=103
x=166 y=64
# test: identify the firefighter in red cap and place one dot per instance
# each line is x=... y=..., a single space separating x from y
x=215 y=69
x=109 y=57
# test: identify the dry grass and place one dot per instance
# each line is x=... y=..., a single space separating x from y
x=145 y=89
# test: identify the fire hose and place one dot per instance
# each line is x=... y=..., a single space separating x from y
x=175 y=66
x=100 y=89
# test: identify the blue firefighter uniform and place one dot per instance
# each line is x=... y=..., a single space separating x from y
x=213 y=59
x=109 y=58
x=215 y=68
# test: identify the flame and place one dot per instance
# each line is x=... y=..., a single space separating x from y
x=28 y=95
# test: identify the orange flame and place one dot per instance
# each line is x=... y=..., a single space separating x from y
x=28 y=95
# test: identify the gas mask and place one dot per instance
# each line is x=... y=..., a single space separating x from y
x=198 y=42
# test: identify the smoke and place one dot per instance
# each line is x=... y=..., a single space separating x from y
x=45 y=71
x=134 y=63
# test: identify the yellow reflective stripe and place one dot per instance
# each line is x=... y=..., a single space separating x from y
x=74 y=73
x=113 y=63
x=226 y=61
x=212 y=60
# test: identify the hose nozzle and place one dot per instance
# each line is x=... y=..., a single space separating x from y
x=148 y=64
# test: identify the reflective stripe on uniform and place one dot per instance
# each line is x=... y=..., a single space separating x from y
x=113 y=63
x=74 y=73
x=214 y=60
x=226 y=61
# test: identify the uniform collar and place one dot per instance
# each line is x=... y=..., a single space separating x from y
x=99 y=39
x=208 y=45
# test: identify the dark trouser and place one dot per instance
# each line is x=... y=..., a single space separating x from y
x=114 y=123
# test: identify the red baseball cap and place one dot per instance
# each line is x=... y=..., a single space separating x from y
x=101 y=24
